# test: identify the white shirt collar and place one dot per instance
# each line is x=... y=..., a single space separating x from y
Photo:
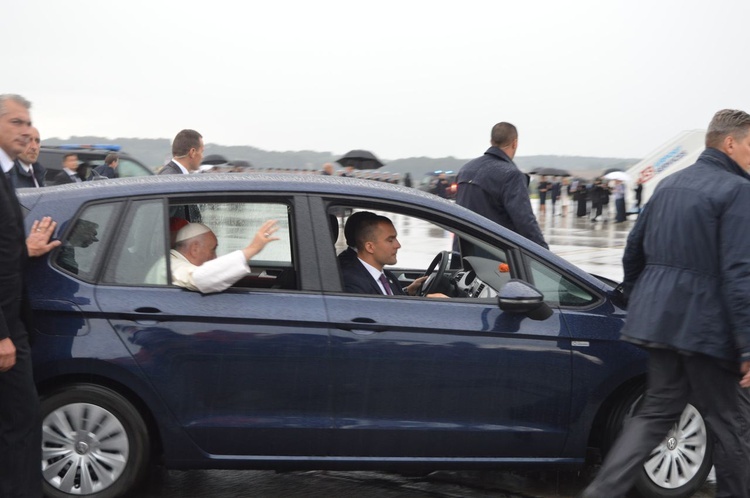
x=5 y=161
x=183 y=168
x=26 y=167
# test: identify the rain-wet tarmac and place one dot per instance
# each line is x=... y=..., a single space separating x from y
x=336 y=484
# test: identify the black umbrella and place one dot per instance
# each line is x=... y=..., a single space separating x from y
x=214 y=159
x=241 y=163
x=360 y=159
x=550 y=172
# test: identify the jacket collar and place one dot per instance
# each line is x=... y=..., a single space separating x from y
x=494 y=151
x=723 y=161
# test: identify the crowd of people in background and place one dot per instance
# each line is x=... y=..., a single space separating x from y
x=585 y=198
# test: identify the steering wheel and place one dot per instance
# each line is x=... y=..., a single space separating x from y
x=433 y=276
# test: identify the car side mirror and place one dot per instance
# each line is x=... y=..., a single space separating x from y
x=518 y=296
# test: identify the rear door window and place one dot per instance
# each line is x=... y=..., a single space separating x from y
x=140 y=245
x=84 y=240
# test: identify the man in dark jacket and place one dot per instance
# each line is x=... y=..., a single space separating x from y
x=27 y=172
x=687 y=264
x=494 y=187
x=20 y=424
x=109 y=168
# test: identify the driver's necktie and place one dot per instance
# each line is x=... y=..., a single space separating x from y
x=386 y=285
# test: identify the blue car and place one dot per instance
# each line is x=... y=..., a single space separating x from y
x=520 y=366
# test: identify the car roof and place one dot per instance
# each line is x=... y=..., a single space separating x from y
x=91 y=151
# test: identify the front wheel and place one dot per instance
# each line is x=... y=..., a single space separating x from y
x=94 y=443
x=680 y=464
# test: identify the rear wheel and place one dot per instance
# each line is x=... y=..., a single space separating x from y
x=94 y=443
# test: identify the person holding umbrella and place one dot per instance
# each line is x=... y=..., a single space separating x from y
x=542 y=189
x=358 y=159
x=620 y=201
x=554 y=190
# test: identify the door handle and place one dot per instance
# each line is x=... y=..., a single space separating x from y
x=147 y=309
x=363 y=326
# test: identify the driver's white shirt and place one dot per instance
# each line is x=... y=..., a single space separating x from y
x=183 y=168
x=376 y=275
x=5 y=161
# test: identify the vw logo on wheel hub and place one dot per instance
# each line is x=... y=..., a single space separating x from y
x=82 y=447
x=671 y=443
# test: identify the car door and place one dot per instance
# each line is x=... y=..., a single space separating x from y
x=243 y=371
x=446 y=378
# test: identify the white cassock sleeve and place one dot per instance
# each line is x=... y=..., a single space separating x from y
x=212 y=276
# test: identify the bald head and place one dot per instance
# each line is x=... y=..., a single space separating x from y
x=504 y=136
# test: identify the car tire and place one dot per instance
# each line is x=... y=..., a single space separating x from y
x=94 y=443
x=679 y=465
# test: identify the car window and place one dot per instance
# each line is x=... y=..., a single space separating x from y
x=557 y=289
x=82 y=247
x=139 y=255
x=127 y=168
x=140 y=245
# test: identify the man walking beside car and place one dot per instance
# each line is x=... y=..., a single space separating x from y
x=27 y=172
x=20 y=424
x=187 y=154
x=688 y=276
x=493 y=186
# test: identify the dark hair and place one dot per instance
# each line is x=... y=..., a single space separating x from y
x=184 y=141
x=111 y=157
x=69 y=154
x=366 y=228
x=727 y=122
x=352 y=226
x=503 y=134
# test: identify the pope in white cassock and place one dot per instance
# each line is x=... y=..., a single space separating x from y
x=194 y=263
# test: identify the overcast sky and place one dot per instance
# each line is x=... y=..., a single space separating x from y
x=400 y=78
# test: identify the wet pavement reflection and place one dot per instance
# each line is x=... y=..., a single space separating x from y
x=335 y=484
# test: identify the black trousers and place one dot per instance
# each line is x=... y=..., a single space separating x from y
x=20 y=429
x=673 y=379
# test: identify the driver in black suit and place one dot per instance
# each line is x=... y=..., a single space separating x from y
x=376 y=245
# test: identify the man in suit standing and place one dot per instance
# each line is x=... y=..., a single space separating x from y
x=27 y=172
x=377 y=245
x=20 y=425
x=187 y=154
